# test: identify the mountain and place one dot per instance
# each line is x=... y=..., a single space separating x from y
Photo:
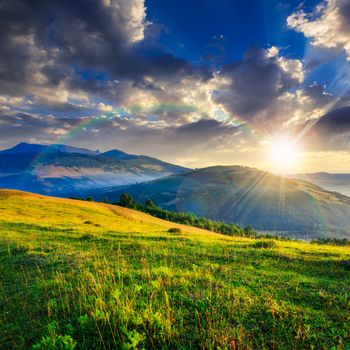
x=247 y=196
x=65 y=170
x=29 y=148
x=117 y=154
x=332 y=182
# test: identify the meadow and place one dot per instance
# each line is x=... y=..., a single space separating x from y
x=85 y=275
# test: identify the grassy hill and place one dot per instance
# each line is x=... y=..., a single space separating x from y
x=244 y=196
x=85 y=275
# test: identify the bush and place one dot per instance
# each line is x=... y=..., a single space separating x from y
x=14 y=249
x=87 y=237
x=332 y=241
x=264 y=244
x=174 y=230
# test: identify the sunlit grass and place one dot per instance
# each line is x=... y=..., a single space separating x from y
x=92 y=276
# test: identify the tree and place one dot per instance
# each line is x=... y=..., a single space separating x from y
x=149 y=203
x=249 y=231
x=89 y=199
x=127 y=201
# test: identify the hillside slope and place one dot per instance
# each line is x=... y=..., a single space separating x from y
x=246 y=196
x=88 y=275
x=65 y=170
x=332 y=182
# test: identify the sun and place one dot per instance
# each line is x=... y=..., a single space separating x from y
x=284 y=155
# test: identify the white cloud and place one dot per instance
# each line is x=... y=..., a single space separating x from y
x=131 y=14
x=327 y=26
x=293 y=67
x=105 y=107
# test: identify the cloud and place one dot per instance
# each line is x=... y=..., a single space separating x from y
x=205 y=131
x=307 y=104
x=42 y=46
x=200 y=139
x=330 y=132
x=327 y=26
x=45 y=62
x=128 y=88
x=116 y=65
x=248 y=88
x=336 y=122
x=104 y=107
x=16 y=127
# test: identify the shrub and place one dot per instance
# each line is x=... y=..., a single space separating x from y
x=14 y=249
x=55 y=341
x=87 y=237
x=264 y=244
x=174 y=230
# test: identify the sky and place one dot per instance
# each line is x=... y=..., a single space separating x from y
x=193 y=82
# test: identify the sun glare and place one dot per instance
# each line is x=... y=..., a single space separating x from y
x=284 y=155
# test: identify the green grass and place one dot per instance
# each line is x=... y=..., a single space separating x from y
x=85 y=275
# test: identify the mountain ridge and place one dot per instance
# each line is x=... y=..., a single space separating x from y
x=26 y=147
x=244 y=196
x=62 y=170
x=339 y=182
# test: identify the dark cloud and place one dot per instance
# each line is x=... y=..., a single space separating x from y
x=335 y=122
x=319 y=97
x=205 y=135
x=18 y=127
x=329 y=132
x=204 y=130
x=43 y=40
x=253 y=84
x=344 y=10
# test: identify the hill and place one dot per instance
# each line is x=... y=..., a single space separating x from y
x=87 y=275
x=246 y=196
x=332 y=182
x=65 y=170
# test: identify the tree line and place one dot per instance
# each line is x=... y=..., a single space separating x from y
x=332 y=241
x=149 y=207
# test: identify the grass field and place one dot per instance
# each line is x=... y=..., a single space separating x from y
x=88 y=275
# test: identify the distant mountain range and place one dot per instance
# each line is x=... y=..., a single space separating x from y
x=247 y=196
x=332 y=182
x=63 y=170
